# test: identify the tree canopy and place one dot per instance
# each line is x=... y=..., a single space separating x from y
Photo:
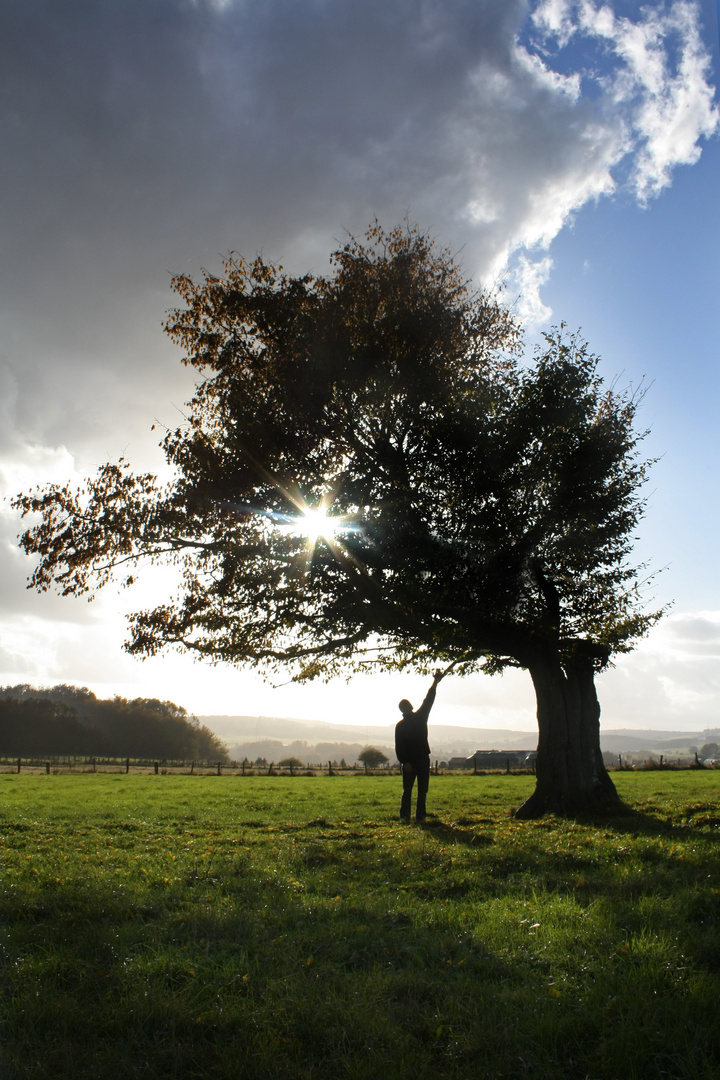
x=372 y=472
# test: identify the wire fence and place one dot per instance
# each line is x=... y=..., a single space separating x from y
x=55 y=764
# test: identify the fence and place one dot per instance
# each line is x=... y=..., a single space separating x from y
x=48 y=764
x=163 y=766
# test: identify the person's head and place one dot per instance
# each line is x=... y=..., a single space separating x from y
x=405 y=707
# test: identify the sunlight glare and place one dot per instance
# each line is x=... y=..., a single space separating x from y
x=315 y=524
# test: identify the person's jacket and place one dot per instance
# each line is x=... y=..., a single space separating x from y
x=411 y=733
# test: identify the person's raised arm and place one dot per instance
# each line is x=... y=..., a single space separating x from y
x=424 y=711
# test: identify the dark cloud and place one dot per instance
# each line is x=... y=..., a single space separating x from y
x=151 y=136
x=144 y=138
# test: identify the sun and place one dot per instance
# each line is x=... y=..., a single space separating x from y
x=315 y=524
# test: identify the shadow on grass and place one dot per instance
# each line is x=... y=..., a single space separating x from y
x=232 y=982
x=703 y=824
x=633 y=822
x=636 y=822
x=456 y=833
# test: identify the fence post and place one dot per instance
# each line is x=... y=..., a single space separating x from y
x=330 y=772
x=47 y=768
x=127 y=765
x=18 y=765
x=474 y=764
x=218 y=767
x=507 y=765
x=157 y=766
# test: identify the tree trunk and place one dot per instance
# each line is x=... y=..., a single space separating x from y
x=570 y=773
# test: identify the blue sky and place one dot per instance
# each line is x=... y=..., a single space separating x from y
x=566 y=147
x=643 y=285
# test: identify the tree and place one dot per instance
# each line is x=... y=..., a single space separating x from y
x=371 y=473
x=371 y=757
x=33 y=726
x=290 y=763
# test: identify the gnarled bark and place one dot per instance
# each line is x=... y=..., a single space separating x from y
x=571 y=775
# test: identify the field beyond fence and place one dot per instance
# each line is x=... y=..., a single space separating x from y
x=183 y=927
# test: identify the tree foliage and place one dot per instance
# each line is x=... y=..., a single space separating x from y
x=475 y=504
x=371 y=757
x=291 y=762
x=471 y=506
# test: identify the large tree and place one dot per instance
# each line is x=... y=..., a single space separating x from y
x=371 y=473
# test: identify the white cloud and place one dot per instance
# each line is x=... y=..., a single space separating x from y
x=663 y=87
x=30 y=466
x=651 y=104
x=527 y=280
x=671 y=680
x=554 y=19
x=33 y=464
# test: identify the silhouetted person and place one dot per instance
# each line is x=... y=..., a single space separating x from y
x=413 y=751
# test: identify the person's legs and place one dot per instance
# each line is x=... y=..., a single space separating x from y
x=408 y=781
x=422 y=771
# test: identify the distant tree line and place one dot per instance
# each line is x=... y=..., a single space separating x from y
x=72 y=720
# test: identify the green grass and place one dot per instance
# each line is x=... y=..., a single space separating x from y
x=179 y=926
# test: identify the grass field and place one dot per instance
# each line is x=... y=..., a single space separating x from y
x=180 y=926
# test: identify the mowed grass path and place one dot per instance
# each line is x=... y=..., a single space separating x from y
x=274 y=927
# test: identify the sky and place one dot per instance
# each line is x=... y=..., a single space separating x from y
x=567 y=149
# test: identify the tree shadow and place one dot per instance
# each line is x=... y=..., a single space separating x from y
x=630 y=822
x=455 y=833
x=642 y=823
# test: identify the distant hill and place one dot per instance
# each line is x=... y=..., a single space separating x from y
x=267 y=736
x=625 y=740
x=277 y=727
x=274 y=736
